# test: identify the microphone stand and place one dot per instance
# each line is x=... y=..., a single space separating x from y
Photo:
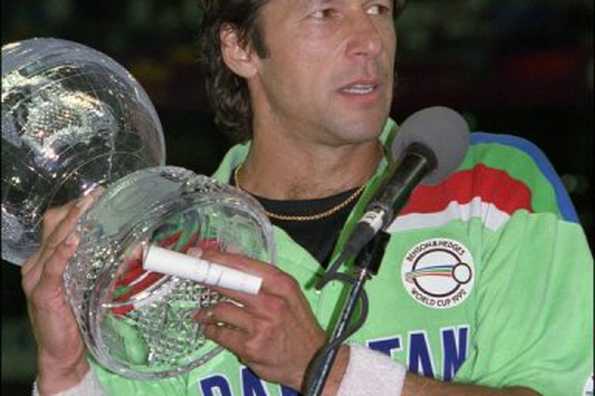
x=367 y=264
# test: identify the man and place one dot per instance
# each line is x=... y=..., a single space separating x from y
x=486 y=283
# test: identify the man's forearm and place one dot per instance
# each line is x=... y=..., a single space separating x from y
x=52 y=380
x=416 y=385
x=369 y=372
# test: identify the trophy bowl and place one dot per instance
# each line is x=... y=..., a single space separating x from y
x=139 y=323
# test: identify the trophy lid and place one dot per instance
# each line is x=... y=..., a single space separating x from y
x=72 y=118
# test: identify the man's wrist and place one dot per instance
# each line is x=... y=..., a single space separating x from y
x=88 y=386
x=371 y=373
x=337 y=371
x=52 y=380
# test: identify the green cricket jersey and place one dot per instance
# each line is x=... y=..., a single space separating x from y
x=487 y=279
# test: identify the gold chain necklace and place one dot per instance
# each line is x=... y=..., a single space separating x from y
x=317 y=216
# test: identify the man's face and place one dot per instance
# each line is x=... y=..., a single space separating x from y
x=328 y=76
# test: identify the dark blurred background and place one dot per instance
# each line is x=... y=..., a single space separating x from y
x=520 y=67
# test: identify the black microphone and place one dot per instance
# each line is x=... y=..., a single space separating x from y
x=429 y=145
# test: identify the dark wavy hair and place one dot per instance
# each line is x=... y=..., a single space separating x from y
x=227 y=92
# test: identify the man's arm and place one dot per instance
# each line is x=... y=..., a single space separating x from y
x=369 y=372
x=276 y=334
x=61 y=360
x=418 y=385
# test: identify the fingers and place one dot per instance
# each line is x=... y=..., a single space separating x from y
x=57 y=228
x=240 y=262
x=228 y=313
x=54 y=234
x=30 y=273
x=229 y=338
x=249 y=301
x=275 y=333
x=30 y=263
x=244 y=298
x=33 y=266
x=61 y=243
x=56 y=263
x=228 y=328
x=53 y=217
x=49 y=275
x=274 y=280
x=68 y=221
x=278 y=288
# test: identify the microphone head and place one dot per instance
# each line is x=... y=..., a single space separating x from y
x=441 y=130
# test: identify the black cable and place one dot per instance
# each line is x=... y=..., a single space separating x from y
x=318 y=361
x=371 y=258
x=331 y=271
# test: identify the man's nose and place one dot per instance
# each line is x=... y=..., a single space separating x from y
x=365 y=40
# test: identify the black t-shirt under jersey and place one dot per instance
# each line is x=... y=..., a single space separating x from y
x=318 y=237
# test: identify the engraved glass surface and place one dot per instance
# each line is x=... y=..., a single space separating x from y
x=139 y=323
x=72 y=118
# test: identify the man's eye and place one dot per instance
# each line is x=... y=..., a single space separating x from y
x=323 y=14
x=379 y=9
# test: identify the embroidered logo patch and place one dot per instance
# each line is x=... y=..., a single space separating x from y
x=438 y=273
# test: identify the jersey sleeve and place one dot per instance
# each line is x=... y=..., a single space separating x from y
x=534 y=320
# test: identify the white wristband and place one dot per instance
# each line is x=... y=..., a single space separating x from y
x=371 y=373
x=89 y=386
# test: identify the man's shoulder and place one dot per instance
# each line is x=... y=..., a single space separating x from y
x=501 y=176
x=507 y=165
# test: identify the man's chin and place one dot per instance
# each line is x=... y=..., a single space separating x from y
x=351 y=135
x=365 y=129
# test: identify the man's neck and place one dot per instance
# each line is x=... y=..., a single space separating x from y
x=285 y=170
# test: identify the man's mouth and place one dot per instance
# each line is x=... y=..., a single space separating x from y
x=359 y=89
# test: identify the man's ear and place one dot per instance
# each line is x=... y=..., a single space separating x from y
x=237 y=55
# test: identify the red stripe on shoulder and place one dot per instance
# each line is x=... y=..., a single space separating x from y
x=491 y=185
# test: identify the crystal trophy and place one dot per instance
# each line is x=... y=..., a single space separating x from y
x=73 y=119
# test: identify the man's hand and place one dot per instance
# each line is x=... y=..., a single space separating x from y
x=275 y=333
x=60 y=349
